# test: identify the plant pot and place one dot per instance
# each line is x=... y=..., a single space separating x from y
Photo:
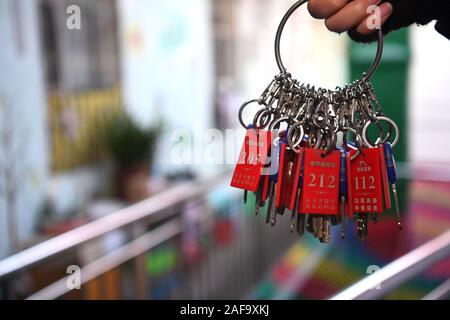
x=132 y=182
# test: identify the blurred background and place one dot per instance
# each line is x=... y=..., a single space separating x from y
x=106 y=116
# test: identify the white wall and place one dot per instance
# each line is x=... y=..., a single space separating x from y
x=309 y=51
x=429 y=96
x=22 y=89
x=167 y=68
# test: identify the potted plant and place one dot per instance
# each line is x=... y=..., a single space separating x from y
x=132 y=148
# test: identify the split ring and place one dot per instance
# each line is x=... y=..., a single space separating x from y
x=391 y=123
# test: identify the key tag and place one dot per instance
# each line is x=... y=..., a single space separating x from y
x=365 y=182
x=320 y=182
x=286 y=174
x=386 y=159
x=282 y=176
x=271 y=169
x=294 y=181
x=252 y=158
x=384 y=178
x=392 y=178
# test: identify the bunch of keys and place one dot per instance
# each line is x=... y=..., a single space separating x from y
x=323 y=167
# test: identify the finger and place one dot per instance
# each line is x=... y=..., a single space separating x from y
x=376 y=20
x=350 y=16
x=321 y=9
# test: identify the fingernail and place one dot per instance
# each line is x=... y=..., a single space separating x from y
x=386 y=10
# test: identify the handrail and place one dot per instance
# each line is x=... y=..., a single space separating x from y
x=116 y=220
x=119 y=219
x=399 y=271
x=112 y=260
x=440 y=293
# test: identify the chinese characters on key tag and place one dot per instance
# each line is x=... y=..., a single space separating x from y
x=320 y=192
x=320 y=183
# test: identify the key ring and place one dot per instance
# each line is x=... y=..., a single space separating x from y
x=299 y=139
x=264 y=114
x=278 y=121
x=358 y=141
x=366 y=76
x=241 y=111
x=390 y=122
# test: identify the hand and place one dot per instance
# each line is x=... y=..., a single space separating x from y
x=345 y=15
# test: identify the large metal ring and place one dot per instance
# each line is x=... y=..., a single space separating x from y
x=391 y=123
x=283 y=22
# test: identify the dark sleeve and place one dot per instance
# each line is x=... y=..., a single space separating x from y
x=408 y=12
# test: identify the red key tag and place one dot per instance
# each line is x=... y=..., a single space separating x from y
x=366 y=190
x=252 y=158
x=349 y=207
x=281 y=181
x=387 y=195
x=293 y=185
x=320 y=183
x=289 y=167
x=265 y=192
x=287 y=157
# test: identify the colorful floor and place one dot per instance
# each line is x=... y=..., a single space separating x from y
x=310 y=270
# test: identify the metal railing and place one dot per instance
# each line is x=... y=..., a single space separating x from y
x=251 y=257
x=228 y=273
x=122 y=218
x=112 y=260
x=414 y=263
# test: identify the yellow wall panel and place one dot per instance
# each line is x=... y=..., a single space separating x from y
x=74 y=119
